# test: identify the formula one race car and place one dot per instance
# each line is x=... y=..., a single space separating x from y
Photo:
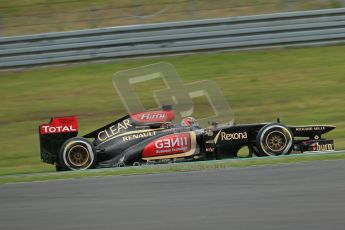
x=152 y=137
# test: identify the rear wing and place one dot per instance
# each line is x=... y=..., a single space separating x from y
x=54 y=134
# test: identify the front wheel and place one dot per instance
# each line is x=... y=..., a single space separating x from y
x=77 y=154
x=273 y=140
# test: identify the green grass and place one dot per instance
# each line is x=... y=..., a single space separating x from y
x=168 y=168
x=301 y=86
x=37 y=16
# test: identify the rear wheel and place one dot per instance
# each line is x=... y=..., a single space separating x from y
x=77 y=154
x=274 y=140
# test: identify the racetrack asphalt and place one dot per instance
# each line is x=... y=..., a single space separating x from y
x=288 y=196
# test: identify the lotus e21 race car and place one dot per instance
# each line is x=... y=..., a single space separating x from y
x=151 y=136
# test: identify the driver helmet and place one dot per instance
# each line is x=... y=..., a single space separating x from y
x=189 y=122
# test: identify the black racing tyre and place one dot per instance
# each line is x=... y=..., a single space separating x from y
x=274 y=140
x=77 y=154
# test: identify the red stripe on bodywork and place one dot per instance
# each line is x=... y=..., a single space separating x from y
x=154 y=116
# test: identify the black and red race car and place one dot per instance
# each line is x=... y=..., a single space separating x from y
x=152 y=137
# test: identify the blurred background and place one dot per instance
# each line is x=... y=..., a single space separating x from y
x=39 y=16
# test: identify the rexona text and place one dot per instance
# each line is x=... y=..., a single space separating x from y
x=113 y=130
x=233 y=136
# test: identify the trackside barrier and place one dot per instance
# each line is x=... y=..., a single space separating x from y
x=304 y=28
